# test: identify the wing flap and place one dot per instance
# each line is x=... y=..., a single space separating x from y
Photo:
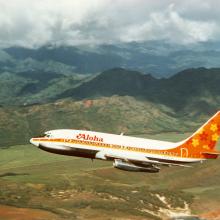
x=168 y=163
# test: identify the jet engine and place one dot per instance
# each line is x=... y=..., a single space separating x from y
x=131 y=167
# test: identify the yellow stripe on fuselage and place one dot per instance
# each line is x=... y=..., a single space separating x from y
x=114 y=146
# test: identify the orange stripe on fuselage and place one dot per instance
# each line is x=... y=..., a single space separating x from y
x=170 y=152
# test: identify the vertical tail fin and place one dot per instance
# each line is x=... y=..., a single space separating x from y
x=203 y=142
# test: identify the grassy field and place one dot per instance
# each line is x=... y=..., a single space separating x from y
x=62 y=187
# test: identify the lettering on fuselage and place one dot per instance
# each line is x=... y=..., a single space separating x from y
x=87 y=137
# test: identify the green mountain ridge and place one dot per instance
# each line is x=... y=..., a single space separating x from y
x=193 y=87
x=192 y=90
x=32 y=87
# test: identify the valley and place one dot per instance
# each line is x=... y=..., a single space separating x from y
x=65 y=187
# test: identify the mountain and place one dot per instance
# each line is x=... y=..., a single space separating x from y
x=192 y=89
x=79 y=61
x=159 y=58
x=30 y=87
x=116 y=81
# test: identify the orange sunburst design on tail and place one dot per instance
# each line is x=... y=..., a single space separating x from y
x=203 y=140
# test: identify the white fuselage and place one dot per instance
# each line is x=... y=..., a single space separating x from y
x=99 y=145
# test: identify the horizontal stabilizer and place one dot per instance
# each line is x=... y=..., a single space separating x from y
x=211 y=153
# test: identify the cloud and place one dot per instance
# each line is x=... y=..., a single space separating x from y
x=170 y=26
x=38 y=22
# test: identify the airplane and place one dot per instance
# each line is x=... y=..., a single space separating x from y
x=132 y=153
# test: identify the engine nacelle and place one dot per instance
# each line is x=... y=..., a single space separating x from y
x=131 y=167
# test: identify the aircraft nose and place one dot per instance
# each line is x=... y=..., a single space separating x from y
x=34 y=142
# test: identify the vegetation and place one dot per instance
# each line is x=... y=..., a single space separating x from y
x=113 y=115
x=34 y=87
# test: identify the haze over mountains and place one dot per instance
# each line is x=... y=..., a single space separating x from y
x=158 y=58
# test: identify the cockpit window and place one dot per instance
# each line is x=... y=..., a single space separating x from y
x=45 y=135
x=40 y=135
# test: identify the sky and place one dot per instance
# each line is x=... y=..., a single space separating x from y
x=33 y=23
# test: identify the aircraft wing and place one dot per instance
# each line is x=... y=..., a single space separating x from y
x=167 y=163
x=143 y=161
x=127 y=159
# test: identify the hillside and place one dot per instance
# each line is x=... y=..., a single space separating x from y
x=33 y=87
x=193 y=90
x=115 y=115
x=116 y=81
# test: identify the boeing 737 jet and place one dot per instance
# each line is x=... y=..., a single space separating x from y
x=131 y=153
